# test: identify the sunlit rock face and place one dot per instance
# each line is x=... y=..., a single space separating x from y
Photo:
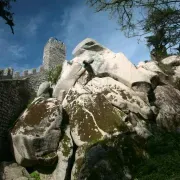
x=167 y=99
x=37 y=132
x=11 y=170
x=103 y=112
x=99 y=61
x=93 y=118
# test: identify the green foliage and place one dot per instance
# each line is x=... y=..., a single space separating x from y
x=163 y=24
x=53 y=74
x=35 y=175
x=6 y=14
x=164 y=158
x=159 y=19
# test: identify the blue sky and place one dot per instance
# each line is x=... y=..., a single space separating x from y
x=69 y=21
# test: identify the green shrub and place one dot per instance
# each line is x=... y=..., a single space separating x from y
x=164 y=158
x=53 y=74
x=35 y=175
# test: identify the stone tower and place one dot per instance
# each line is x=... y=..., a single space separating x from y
x=54 y=53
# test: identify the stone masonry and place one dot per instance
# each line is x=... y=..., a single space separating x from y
x=54 y=53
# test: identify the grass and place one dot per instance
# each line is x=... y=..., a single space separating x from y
x=164 y=158
x=35 y=175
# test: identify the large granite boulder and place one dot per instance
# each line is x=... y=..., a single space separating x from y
x=91 y=60
x=151 y=66
x=105 y=62
x=13 y=171
x=64 y=152
x=116 y=93
x=109 y=159
x=168 y=102
x=36 y=134
x=92 y=117
x=69 y=75
x=172 y=60
x=120 y=96
x=44 y=89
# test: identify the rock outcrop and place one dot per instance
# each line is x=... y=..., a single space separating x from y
x=44 y=90
x=12 y=171
x=37 y=132
x=99 y=61
x=102 y=115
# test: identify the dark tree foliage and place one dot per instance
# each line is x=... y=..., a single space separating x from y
x=164 y=25
x=6 y=14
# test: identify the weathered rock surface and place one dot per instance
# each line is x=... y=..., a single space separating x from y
x=12 y=171
x=92 y=117
x=109 y=159
x=167 y=100
x=36 y=135
x=172 y=60
x=44 y=89
x=69 y=75
x=96 y=60
x=115 y=92
x=64 y=152
x=150 y=66
x=105 y=62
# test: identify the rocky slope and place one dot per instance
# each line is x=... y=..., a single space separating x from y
x=101 y=118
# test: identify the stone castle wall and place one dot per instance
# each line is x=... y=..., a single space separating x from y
x=54 y=54
x=14 y=97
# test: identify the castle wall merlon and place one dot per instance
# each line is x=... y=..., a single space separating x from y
x=8 y=71
x=16 y=74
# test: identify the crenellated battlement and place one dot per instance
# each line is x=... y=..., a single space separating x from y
x=9 y=73
x=54 y=54
x=28 y=72
x=6 y=73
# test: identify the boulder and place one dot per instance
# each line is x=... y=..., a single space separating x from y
x=150 y=66
x=92 y=117
x=167 y=100
x=64 y=152
x=93 y=60
x=171 y=60
x=69 y=75
x=116 y=93
x=36 y=134
x=13 y=171
x=79 y=157
x=109 y=159
x=87 y=44
x=138 y=125
x=44 y=89
x=105 y=62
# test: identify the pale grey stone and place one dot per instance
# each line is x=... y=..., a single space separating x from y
x=43 y=89
x=36 y=134
x=13 y=171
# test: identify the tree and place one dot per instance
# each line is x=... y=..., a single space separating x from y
x=158 y=18
x=164 y=25
x=6 y=14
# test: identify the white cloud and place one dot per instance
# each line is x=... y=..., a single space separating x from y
x=80 y=22
x=17 y=51
x=33 y=25
x=10 y=51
